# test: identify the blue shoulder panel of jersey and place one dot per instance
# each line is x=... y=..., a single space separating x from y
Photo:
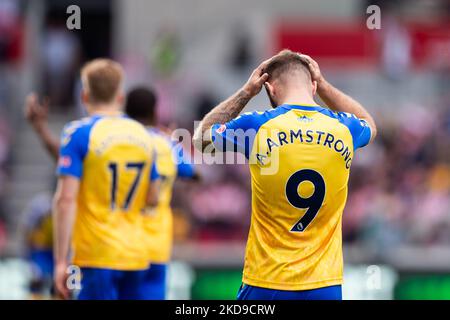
x=154 y=174
x=185 y=169
x=359 y=128
x=74 y=146
x=238 y=134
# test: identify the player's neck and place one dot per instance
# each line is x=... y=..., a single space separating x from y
x=299 y=98
x=104 y=110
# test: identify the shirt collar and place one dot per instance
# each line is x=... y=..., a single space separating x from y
x=302 y=107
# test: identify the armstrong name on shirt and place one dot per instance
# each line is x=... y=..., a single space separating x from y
x=323 y=138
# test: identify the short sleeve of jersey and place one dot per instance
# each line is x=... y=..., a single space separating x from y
x=236 y=135
x=74 y=146
x=359 y=129
x=154 y=174
x=184 y=168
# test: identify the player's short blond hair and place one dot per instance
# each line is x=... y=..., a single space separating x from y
x=284 y=62
x=102 y=80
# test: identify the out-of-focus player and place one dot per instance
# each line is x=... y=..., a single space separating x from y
x=39 y=238
x=294 y=248
x=105 y=165
x=170 y=163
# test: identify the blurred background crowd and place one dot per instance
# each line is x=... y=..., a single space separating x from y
x=195 y=53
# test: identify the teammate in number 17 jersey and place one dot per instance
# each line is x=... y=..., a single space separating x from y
x=170 y=163
x=106 y=162
x=300 y=156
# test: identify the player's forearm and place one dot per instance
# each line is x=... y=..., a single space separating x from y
x=153 y=194
x=338 y=101
x=63 y=218
x=49 y=140
x=224 y=112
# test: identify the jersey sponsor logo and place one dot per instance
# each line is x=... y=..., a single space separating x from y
x=305 y=119
x=65 y=161
x=221 y=129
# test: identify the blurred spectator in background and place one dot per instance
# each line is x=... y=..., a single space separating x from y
x=11 y=43
x=166 y=52
x=204 y=102
x=5 y=136
x=5 y=144
x=7 y=21
x=10 y=30
x=61 y=55
x=220 y=206
x=241 y=49
x=165 y=58
x=396 y=47
x=402 y=195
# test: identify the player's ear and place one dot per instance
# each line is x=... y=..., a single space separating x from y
x=84 y=97
x=314 y=87
x=121 y=98
x=270 y=89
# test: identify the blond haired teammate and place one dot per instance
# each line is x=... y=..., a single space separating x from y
x=294 y=248
x=171 y=164
x=105 y=168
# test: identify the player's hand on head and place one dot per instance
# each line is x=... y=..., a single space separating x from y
x=257 y=79
x=313 y=67
x=60 y=281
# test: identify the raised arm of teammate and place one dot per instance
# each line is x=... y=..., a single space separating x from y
x=230 y=108
x=335 y=99
x=37 y=115
x=64 y=202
